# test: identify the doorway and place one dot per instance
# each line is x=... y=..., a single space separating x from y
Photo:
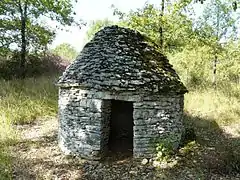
x=121 y=127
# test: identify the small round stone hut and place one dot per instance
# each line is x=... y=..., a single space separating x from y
x=120 y=94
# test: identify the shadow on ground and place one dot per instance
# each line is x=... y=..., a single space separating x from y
x=208 y=152
x=40 y=158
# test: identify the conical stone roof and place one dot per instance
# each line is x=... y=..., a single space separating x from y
x=122 y=59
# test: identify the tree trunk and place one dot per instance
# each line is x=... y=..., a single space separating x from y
x=216 y=53
x=215 y=72
x=161 y=26
x=22 y=64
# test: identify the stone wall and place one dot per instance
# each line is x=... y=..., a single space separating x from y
x=84 y=118
x=122 y=59
x=80 y=120
x=105 y=125
x=155 y=122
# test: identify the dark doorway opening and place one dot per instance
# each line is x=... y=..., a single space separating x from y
x=121 y=127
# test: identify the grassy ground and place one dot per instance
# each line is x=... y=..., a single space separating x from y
x=221 y=105
x=22 y=101
x=212 y=114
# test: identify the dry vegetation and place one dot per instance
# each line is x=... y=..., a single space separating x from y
x=21 y=102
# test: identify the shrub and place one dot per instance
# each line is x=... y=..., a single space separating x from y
x=36 y=65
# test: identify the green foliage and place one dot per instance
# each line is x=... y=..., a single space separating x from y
x=189 y=46
x=235 y=4
x=177 y=27
x=218 y=23
x=5 y=164
x=33 y=12
x=22 y=101
x=189 y=147
x=164 y=151
x=220 y=105
x=8 y=137
x=193 y=47
x=194 y=65
x=22 y=25
x=165 y=147
x=66 y=51
x=229 y=63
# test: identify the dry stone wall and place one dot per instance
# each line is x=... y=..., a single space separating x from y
x=105 y=125
x=121 y=64
x=80 y=120
x=122 y=59
x=84 y=122
x=158 y=121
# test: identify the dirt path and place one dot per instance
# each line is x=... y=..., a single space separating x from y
x=37 y=156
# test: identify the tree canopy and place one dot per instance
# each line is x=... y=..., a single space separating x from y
x=197 y=47
x=96 y=25
x=66 y=51
x=23 y=24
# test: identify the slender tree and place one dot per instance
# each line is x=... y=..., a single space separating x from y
x=161 y=26
x=171 y=31
x=216 y=26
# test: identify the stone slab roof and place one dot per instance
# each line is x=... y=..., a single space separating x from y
x=122 y=59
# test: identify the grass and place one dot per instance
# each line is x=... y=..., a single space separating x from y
x=22 y=101
x=221 y=105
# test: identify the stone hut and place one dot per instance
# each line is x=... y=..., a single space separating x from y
x=120 y=94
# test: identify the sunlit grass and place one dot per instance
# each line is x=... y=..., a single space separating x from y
x=5 y=164
x=22 y=101
x=221 y=105
x=7 y=137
